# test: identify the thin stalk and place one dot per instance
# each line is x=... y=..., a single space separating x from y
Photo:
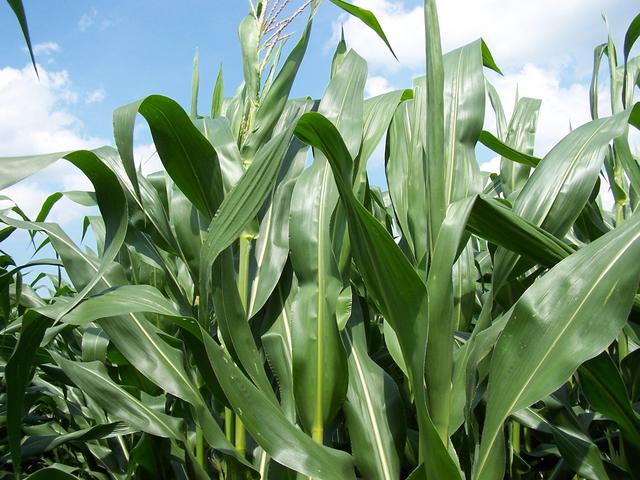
x=228 y=424
x=618 y=175
x=241 y=437
x=243 y=287
x=515 y=446
x=125 y=450
x=199 y=434
x=199 y=446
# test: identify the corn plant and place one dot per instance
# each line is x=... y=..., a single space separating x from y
x=258 y=309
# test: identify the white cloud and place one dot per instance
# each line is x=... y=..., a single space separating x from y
x=35 y=119
x=95 y=96
x=491 y=166
x=544 y=47
x=147 y=158
x=377 y=85
x=546 y=32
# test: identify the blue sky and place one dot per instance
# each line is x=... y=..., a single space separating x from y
x=97 y=55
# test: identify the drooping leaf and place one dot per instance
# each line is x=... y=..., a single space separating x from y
x=501 y=148
x=189 y=159
x=368 y=18
x=563 y=181
x=633 y=33
x=93 y=379
x=110 y=197
x=21 y=16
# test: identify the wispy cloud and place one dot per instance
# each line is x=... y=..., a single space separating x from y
x=44 y=48
x=92 y=19
x=95 y=96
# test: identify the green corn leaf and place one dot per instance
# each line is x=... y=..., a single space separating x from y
x=135 y=337
x=368 y=18
x=378 y=113
x=122 y=301
x=249 y=42
x=496 y=104
x=18 y=374
x=240 y=206
x=195 y=84
x=110 y=197
x=275 y=99
x=464 y=95
x=93 y=379
x=560 y=186
x=21 y=16
x=435 y=146
x=218 y=95
x=319 y=361
x=487 y=58
x=498 y=224
x=406 y=171
x=187 y=156
x=218 y=132
x=51 y=473
x=373 y=409
x=37 y=445
x=598 y=53
x=501 y=148
x=392 y=283
x=549 y=334
x=520 y=136
x=233 y=325
x=606 y=392
x=439 y=358
x=272 y=245
x=338 y=55
x=576 y=448
x=633 y=33
x=282 y=440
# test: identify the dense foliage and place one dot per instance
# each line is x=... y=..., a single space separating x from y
x=247 y=313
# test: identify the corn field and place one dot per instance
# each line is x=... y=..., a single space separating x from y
x=258 y=309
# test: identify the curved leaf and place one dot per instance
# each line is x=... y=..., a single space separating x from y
x=368 y=18
x=186 y=154
x=93 y=379
x=392 y=283
x=281 y=439
x=556 y=325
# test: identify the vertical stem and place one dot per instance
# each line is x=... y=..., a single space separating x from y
x=228 y=424
x=243 y=287
x=618 y=175
x=199 y=433
x=241 y=437
x=123 y=446
x=515 y=445
x=199 y=446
